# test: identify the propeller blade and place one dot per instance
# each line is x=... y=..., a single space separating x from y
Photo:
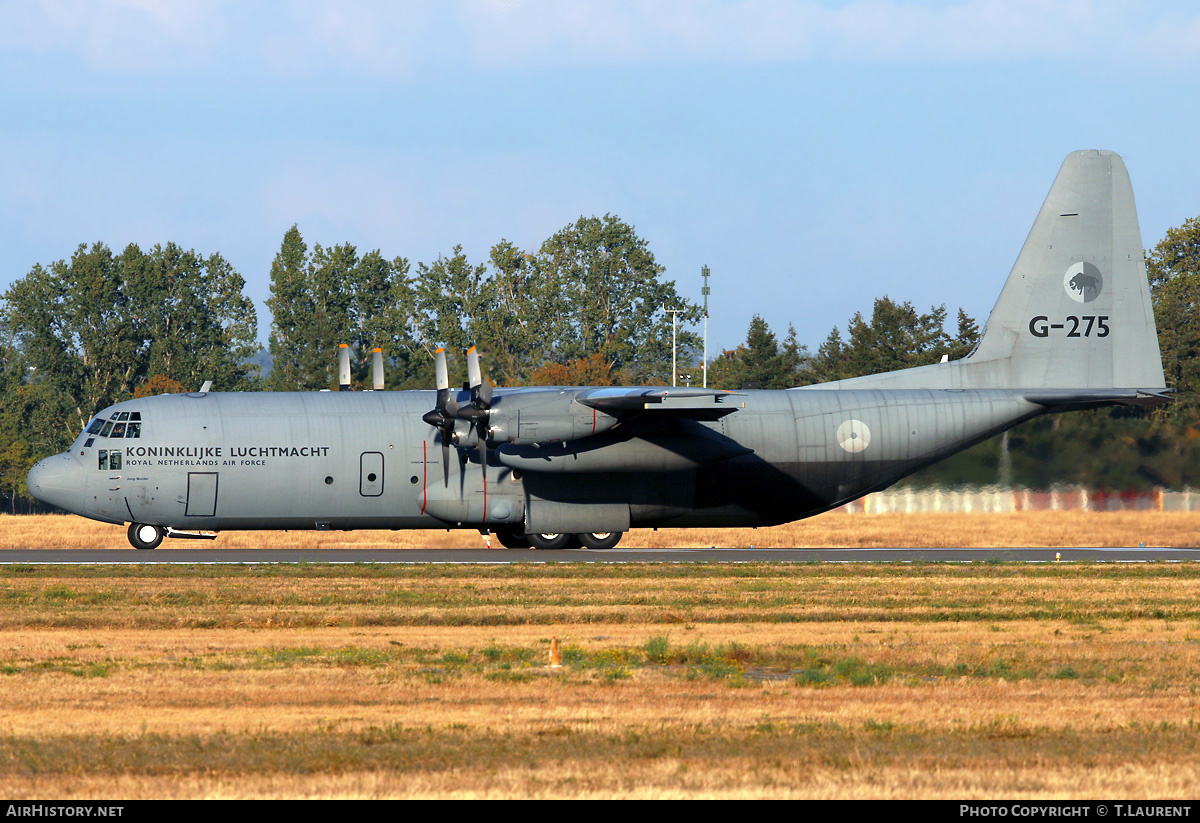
x=442 y=416
x=377 y=369
x=443 y=376
x=343 y=367
x=473 y=373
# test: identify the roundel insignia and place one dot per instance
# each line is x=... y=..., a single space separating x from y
x=853 y=436
x=1083 y=282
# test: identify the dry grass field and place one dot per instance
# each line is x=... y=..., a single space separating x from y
x=833 y=530
x=731 y=681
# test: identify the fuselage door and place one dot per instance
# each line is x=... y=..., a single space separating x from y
x=201 y=494
x=370 y=474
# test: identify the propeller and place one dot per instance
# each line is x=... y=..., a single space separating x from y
x=442 y=416
x=479 y=410
x=447 y=411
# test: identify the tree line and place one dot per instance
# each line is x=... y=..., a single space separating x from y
x=587 y=307
x=590 y=300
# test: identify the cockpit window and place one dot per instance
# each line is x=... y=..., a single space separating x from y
x=121 y=424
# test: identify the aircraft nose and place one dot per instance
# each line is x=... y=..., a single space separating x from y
x=58 y=480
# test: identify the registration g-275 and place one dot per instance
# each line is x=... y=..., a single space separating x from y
x=1085 y=326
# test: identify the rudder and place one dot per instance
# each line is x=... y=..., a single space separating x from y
x=1076 y=310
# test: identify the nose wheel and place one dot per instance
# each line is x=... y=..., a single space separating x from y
x=144 y=536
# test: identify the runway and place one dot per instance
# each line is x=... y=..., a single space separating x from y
x=174 y=556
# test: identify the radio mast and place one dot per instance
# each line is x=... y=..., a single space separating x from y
x=704 y=272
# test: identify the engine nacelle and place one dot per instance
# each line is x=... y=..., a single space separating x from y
x=540 y=425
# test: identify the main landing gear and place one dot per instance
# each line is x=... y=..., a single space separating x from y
x=514 y=539
x=144 y=536
x=599 y=540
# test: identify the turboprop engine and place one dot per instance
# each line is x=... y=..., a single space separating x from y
x=538 y=421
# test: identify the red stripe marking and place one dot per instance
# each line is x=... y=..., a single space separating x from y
x=425 y=469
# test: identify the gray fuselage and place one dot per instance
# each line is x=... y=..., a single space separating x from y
x=366 y=460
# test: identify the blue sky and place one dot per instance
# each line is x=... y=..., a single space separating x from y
x=815 y=155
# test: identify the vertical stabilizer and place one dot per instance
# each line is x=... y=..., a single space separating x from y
x=1075 y=312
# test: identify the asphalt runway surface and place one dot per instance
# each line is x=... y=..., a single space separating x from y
x=165 y=555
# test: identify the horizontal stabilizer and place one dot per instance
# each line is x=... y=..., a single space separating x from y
x=1064 y=399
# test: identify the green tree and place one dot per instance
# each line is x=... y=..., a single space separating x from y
x=761 y=362
x=293 y=344
x=966 y=338
x=450 y=295
x=190 y=311
x=1174 y=270
x=592 y=294
x=514 y=328
x=23 y=433
x=604 y=294
x=896 y=337
x=82 y=334
x=91 y=329
x=332 y=296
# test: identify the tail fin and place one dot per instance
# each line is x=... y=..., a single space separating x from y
x=1075 y=312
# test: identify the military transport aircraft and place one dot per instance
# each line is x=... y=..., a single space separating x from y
x=1073 y=328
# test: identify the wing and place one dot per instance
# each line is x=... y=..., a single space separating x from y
x=689 y=402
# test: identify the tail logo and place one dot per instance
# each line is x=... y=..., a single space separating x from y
x=1083 y=282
